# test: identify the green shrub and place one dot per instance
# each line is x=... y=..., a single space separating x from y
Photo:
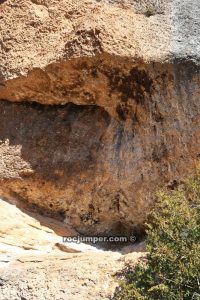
x=172 y=268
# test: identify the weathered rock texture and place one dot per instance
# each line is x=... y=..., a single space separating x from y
x=100 y=106
x=32 y=267
x=60 y=277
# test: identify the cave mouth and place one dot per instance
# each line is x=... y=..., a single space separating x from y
x=120 y=236
x=61 y=161
x=95 y=163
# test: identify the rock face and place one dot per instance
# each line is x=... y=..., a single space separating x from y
x=72 y=276
x=33 y=267
x=24 y=232
x=99 y=106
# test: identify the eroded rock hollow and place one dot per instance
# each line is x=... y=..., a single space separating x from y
x=118 y=131
x=99 y=107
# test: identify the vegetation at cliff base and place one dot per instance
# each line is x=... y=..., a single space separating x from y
x=172 y=268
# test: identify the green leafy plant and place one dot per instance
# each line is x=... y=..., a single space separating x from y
x=171 y=270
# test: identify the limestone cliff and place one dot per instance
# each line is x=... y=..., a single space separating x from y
x=99 y=106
